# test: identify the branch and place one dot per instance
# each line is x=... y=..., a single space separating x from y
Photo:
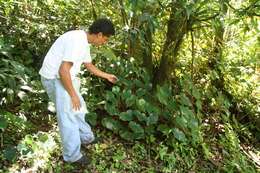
x=159 y=2
x=252 y=6
x=3 y=17
x=198 y=27
x=123 y=13
x=208 y=18
x=192 y=54
x=254 y=14
x=93 y=10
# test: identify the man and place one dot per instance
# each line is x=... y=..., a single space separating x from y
x=59 y=78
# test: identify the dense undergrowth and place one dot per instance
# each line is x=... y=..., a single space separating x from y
x=185 y=125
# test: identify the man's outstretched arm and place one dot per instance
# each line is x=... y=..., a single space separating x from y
x=93 y=69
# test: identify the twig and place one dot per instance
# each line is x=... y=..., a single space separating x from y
x=192 y=53
x=3 y=17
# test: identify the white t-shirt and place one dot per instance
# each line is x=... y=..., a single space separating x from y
x=72 y=46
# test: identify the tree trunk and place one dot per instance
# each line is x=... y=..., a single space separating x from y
x=217 y=52
x=147 y=49
x=177 y=28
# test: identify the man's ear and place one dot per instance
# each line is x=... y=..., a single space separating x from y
x=100 y=34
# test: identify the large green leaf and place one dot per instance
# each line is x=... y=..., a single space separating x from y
x=178 y=134
x=111 y=109
x=126 y=94
x=151 y=109
x=126 y=116
x=140 y=116
x=186 y=112
x=196 y=93
x=149 y=130
x=10 y=154
x=195 y=136
x=141 y=92
x=127 y=135
x=138 y=135
x=138 y=83
x=130 y=100
x=163 y=94
x=185 y=100
x=193 y=123
x=110 y=97
x=181 y=121
x=116 y=90
x=152 y=119
x=111 y=124
x=108 y=53
x=141 y=103
x=198 y=105
x=43 y=137
x=173 y=105
x=136 y=128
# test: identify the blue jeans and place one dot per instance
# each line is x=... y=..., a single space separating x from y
x=72 y=126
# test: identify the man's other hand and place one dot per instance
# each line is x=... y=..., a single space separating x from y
x=75 y=102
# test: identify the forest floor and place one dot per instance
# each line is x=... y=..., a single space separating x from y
x=110 y=155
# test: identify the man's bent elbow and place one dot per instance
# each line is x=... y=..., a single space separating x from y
x=61 y=70
x=64 y=68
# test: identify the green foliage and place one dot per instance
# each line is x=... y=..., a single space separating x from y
x=41 y=22
x=10 y=154
x=37 y=148
x=13 y=76
x=17 y=127
x=133 y=112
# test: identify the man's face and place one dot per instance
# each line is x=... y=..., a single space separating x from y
x=100 y=39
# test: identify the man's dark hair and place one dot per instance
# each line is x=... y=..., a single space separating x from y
x=105 y=26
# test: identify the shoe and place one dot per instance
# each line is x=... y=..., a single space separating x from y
x=83 y=161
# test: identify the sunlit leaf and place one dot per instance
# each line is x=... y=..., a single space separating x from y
x=185 y=100
x=163 y=94
x=136 y=128
x=111 y=124
x=140 y=116
x=152 y=119
x=181 y=121
x=179 y=135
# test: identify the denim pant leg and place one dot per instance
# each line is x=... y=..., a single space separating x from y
x=68 y=125
x=86 y=134
x=72 y=125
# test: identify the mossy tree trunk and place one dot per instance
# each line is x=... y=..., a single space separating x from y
x=177 y=27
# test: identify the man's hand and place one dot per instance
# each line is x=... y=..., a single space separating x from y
x=75 y=102
x=93 y=69
x=111 y=78
x=64 y=72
